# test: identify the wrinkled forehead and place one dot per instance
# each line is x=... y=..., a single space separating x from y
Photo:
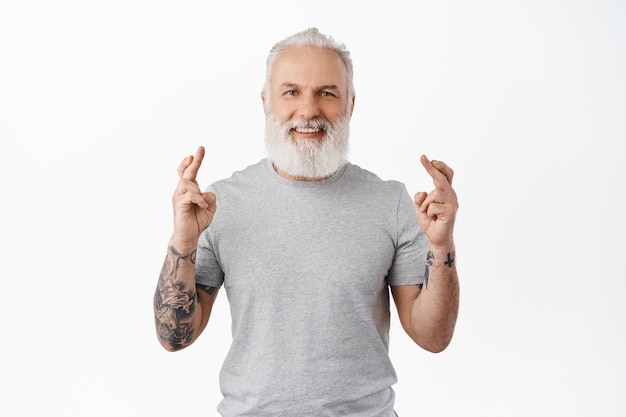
x=308 y=66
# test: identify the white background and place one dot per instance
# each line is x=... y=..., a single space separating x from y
x=526 y=100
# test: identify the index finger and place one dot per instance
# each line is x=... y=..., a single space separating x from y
x=190 y=166
x=440 y=172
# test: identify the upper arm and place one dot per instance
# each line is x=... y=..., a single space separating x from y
x=404 y=296
x=206 y=298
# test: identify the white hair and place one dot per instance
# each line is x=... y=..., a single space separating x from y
x=307 y=158
x=310 y=37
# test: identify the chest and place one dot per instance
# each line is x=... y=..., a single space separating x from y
x=306 y=242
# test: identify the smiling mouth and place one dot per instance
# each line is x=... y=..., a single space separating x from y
x=307 y=129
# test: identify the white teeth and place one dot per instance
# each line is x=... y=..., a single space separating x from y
x=307 y=130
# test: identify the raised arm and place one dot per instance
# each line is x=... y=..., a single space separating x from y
x=182 y=308
x=428 y=313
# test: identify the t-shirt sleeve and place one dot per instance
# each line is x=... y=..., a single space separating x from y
x=208 y=270
x=409 y=263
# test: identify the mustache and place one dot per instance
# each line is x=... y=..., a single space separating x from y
x=315 y=123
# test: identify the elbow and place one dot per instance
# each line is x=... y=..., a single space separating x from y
x=434 y=336
x=171 y=347
x=169 y=340
x=434 y=343
x=437 y=346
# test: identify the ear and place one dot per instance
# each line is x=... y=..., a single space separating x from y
x=263 y=101
x=352 y=106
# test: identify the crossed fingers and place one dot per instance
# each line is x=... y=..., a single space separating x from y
x=188 y=169
x=440 y=172
x=188 y=190
x=442 y=200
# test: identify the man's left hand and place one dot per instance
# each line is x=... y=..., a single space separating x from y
x=436 y=211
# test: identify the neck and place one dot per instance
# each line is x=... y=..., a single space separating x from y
x=297 y=177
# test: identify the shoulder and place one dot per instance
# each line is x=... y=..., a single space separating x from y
x=247 y=177
x=360 y=177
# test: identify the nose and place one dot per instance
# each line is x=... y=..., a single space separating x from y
x=309 y=107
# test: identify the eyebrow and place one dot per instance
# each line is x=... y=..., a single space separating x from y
x=323 y=87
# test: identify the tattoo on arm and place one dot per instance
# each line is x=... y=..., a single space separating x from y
x=207 y=289
x=449 y=261
x=430 y=258
x=173 y=303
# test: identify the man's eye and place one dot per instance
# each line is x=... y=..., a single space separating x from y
x=327 y=94
x=291 y=93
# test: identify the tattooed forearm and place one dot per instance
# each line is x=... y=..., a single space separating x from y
x=175 y=302
x=449 y=261
x=430 y=260
x=430 y=257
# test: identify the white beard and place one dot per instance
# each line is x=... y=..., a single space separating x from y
x=307 y=158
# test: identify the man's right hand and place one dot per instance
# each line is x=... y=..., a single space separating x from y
x=193 y=209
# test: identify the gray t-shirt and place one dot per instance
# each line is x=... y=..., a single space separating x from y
x=306 y=268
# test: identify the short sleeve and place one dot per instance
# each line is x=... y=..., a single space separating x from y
x=208 y=269
x=409 y=263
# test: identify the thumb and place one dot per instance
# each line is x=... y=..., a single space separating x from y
x=419 y=199
x=210 y=199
